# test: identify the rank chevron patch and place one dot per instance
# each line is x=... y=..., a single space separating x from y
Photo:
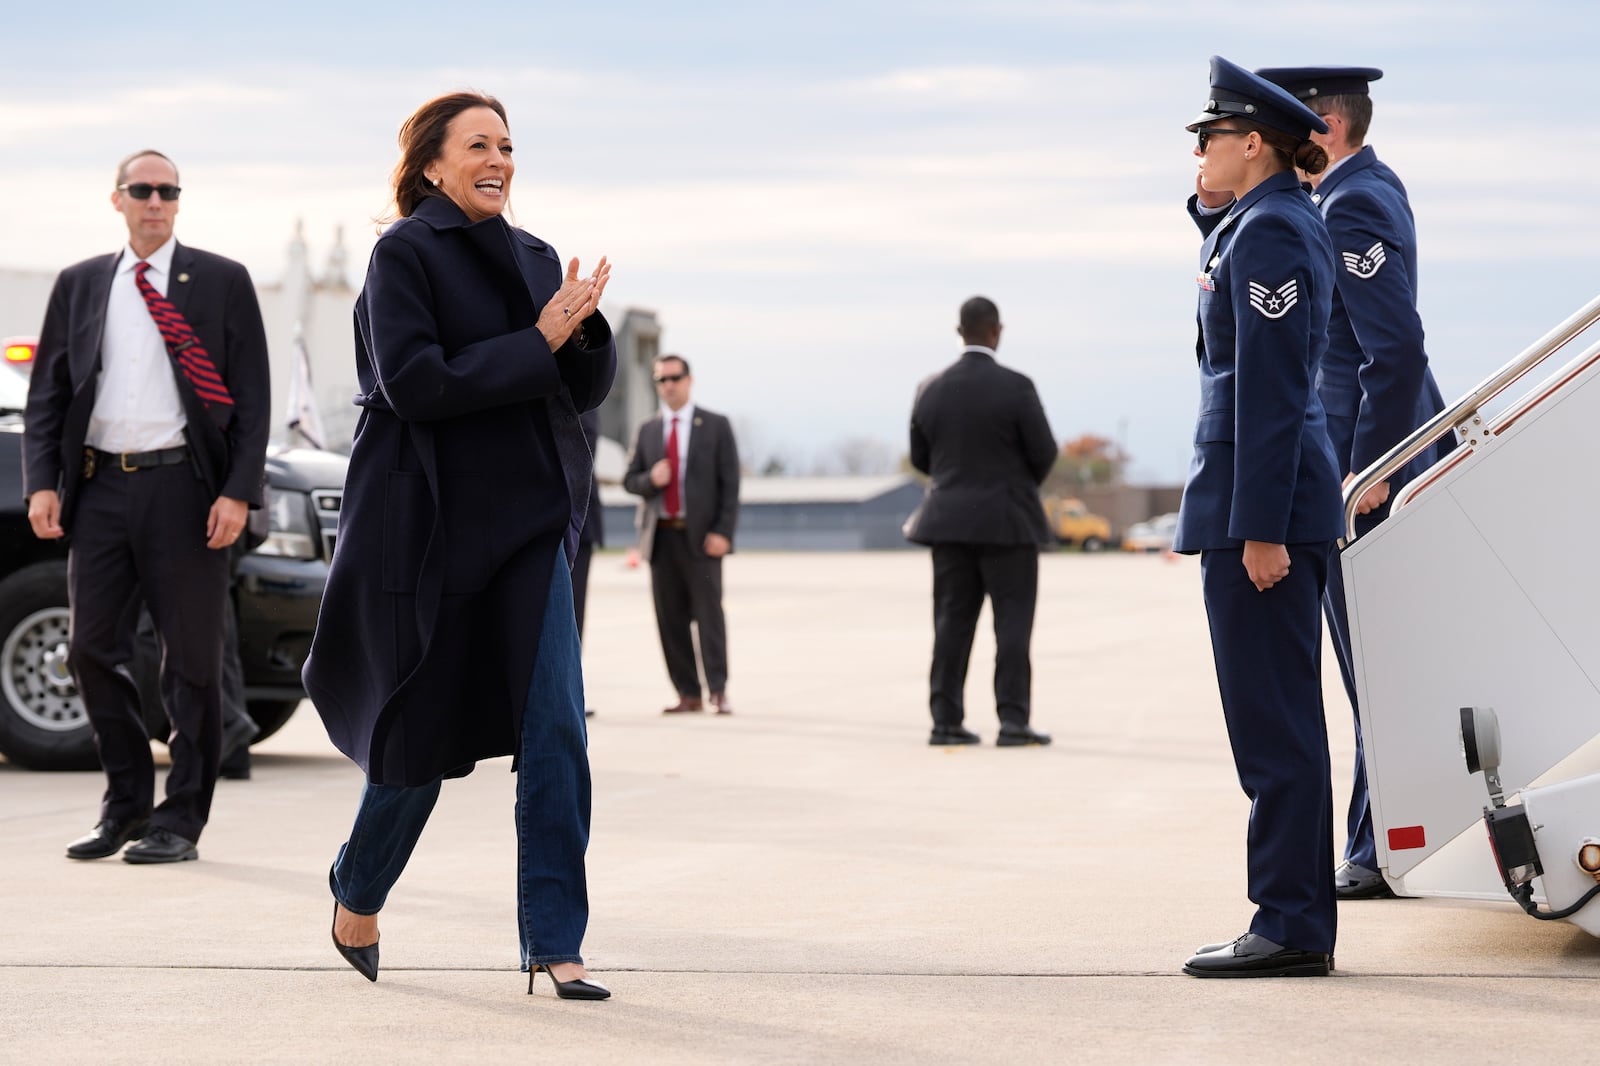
x=1365 y=264
x=1274 y=303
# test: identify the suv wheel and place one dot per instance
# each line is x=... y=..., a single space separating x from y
x=270 y=715
x=43 y=725
x=1093 y=544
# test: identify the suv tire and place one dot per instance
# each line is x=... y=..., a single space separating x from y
x=42 y=722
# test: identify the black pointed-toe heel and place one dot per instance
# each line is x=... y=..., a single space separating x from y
x=582 y=988
x=365 y=960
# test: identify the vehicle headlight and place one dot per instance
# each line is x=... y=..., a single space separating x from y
x=289 y=532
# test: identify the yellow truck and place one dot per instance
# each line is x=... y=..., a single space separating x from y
x=1075 y=524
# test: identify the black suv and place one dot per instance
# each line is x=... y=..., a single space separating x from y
x=42 y=721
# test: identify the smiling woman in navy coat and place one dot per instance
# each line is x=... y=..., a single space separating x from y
x=1261 y=506
x=447 y=633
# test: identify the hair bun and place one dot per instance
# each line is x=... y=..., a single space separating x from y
x=1310 y=157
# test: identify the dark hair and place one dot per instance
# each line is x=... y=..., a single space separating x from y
x=122 y=167
x=1307 y=155
x=1354 y=108
x=979 y=318
x=422 y=141
x=680 y=360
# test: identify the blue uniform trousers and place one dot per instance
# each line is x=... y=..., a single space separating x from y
x=1268 y=651
x=552 y=810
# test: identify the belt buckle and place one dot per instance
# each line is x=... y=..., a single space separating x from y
x=122 y=457
x=88 y=464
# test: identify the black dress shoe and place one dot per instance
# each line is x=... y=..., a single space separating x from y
x=364 y=959
x=944 y=735
x=580 y=988
x=236 y=767
x=1354 y=881
x=107 y=838
x=1020 y=737
x=1256 y=956
x=161 y=845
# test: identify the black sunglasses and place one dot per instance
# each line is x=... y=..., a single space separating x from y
x=664 y=378
x=1205 y=135
x=141 y=190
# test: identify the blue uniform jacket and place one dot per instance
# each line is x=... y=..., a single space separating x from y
x=1263 y=468
x=468 y=471
x=1376 y=371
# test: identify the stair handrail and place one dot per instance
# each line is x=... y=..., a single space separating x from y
x=1457 y=419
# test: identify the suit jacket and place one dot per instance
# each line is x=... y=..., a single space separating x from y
x=219 y=301
x=1375 y=373
x=710 y=480
x=468 y=473
x=979 y=432
x=1263 y=468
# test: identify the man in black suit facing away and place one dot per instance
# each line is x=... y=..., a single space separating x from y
x=979 y=432
x=145 y=441
x=685 y=469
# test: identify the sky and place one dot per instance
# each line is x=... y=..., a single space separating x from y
x=805 y=194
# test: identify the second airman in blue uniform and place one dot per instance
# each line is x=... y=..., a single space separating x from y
x=1374 y=382
x=1262 y=507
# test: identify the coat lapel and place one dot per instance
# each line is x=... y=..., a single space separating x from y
x=182 y=281
x=1360 y=161
x=85 y=358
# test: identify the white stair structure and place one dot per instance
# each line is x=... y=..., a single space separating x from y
x=1482 y=589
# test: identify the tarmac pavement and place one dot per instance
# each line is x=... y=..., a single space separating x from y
x=805 y=881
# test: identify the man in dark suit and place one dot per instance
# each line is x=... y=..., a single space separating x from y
x=145 y=442
x=685 y=469
x=979 y=432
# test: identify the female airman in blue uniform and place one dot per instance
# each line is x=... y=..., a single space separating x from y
x=1262 y=506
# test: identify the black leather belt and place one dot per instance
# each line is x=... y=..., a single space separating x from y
x=672 y=523
x=128 y=462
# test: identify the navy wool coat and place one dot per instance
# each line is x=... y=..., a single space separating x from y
x=1263 y=468
x=469 y=470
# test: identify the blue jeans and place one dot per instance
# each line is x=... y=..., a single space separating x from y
x=552 y=810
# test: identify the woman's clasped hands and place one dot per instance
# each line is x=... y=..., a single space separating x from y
x=575 y=301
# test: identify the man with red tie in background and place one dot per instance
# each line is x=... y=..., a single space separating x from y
x=685 y=469
x=145 y=443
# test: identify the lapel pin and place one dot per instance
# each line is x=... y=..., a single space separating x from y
x=697 y=420
x=183 y=277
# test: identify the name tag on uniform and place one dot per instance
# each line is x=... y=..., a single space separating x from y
x=1206 y=282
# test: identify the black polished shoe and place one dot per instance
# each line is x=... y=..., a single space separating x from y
x=1354 y=881
x=945 y=735
x=1256 y=956
x=107 y=838
x=1021 y=737
x=161 y=845
x=364 y=959
x=582 y=988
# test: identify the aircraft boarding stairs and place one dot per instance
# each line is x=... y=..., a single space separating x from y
x=1475 y=629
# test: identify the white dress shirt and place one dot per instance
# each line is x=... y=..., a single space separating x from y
x=685 y=417
x=136 y=404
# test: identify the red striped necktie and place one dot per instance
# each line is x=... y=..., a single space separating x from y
x=182 y=342
x=672 y=498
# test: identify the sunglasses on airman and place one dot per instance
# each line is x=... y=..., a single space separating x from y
x=665 y=378
x=1204 y=135
x=141 y=190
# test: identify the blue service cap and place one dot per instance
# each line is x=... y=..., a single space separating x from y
x=1308 y=82
x=1237 y=93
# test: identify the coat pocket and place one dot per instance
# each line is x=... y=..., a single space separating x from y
x=1214 y=426
x=407 y=524
x=464 y=521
